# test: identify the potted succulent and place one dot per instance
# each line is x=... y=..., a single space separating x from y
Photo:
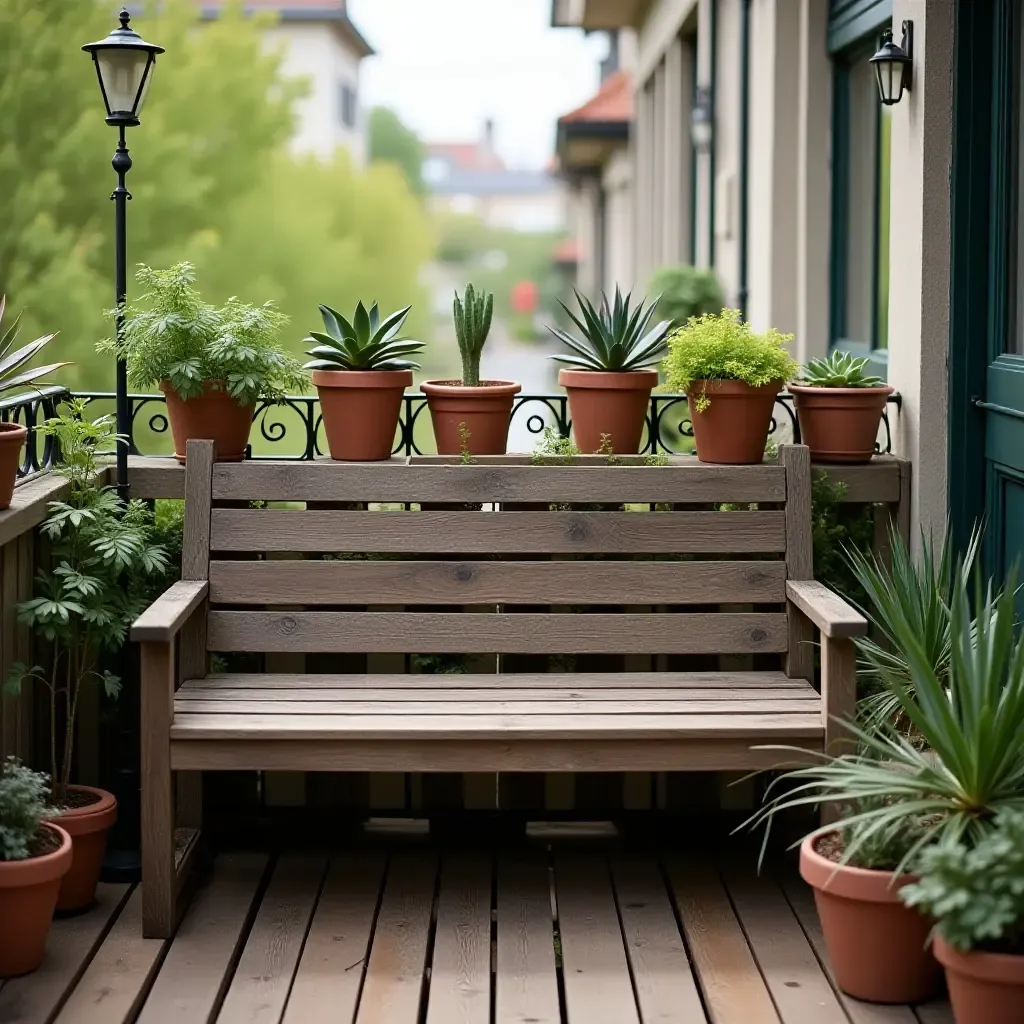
x=731 y=376
x=34 y=856
x=98 y=577
x=608 y=377
x=361 y=370
x=471 y=415
x=839 y=408
x=12 y=376
x=212 y=364
x=975 y=893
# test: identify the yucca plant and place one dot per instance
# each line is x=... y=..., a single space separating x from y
x=12 y=360
x=615 y=338
x=472 y=325
x=839 y=370
x=366 y=342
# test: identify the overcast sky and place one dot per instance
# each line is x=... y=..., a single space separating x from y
x=447 y=65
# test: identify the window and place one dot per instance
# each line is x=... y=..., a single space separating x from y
x=349 y=105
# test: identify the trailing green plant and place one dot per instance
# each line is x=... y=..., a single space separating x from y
x=12 y=360
x=102 y=561
x=24 y=805
x=975 y=892
x=969 y=717
x=722 y=346
x=839 y=370
x=472 y=325
x=172 y=335
x=614 y=337
x=836 y=527
x=686 y=292
x=366 y=342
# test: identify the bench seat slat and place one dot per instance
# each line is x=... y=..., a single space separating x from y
x=416 y=699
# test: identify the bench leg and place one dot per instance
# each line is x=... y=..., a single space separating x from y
x=839 y=701
x=158 y=874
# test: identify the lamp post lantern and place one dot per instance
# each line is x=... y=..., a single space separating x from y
x=124 y=64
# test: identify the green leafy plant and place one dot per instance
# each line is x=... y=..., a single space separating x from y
x=465 y=455
x=656 y=459
x=722 y=346
x=23 y=806
x=554 y=448
x=836 y=527
x=685 y=292
x=101 y=566
x=975 y=893
x=472 y=325
x=885 y=848
x=12 y=360
x=172 y=335
x=839 y=370
x=615 y=338
x=366 y=342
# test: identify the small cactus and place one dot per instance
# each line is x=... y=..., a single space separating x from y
x=472 y=324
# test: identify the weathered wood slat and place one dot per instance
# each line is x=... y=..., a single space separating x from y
x=517 y=533
x=491 y=582
x=473 y=633
x=686 y=480
x=832 y=614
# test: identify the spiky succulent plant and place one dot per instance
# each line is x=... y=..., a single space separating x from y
x=840 y=370
x=11 y=362
x=366 y=342
x=615 y=338
x=472 y=325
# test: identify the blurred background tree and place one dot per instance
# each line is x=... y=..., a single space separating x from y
x=391 y=142
x=685 y=291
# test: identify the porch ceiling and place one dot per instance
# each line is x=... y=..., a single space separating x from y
x=595 y=15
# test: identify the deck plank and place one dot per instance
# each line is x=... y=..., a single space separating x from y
x=666 y=989
x=330 y=973
x=37 y=997
x=597 y=983
x=198 y=967
x=263 y=978
x=733 y=989
x=396 y=971
x=526 y=989
x=117 y=979
x=460 y=976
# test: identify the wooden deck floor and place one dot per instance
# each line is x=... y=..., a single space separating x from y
x=407 y=935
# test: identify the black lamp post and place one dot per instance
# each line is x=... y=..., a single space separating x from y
x=124 y=66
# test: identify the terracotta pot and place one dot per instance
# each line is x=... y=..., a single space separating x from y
x=839 y=424
x=88 y=827
x=28 y=896
x=878 y=947
x=733 y=429
x=984 y=988
x=485 y=410
x=360 y=410
x=213 y=415
x=12 y=437
x=612 y=404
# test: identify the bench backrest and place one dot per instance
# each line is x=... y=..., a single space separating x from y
x=468 y=553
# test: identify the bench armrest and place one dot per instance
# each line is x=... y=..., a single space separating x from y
x=163 y=619
x=833 y=615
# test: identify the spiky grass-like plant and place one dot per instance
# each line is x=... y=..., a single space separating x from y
x=472 y=325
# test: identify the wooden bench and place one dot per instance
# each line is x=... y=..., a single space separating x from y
x=749 y=573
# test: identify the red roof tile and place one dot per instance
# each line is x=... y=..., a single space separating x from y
x=612 y=102
x=567 y=251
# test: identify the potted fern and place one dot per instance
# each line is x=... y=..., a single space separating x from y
x=213 y=364
x=13 y=376
x=471 y=415
x=34 y=856
x=361 y=370
x=839 y=408
x=731 y=376
x=608 y=376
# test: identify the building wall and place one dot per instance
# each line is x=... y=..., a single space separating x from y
x=617 y=181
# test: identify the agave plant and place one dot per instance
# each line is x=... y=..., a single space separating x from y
x=840 y=370
x=615 y=338
x=363 y=343
x=11 y=362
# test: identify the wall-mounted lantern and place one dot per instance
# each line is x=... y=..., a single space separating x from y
x=702 y=127
x=894 y=64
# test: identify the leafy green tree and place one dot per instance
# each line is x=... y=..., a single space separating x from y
x=390 y=141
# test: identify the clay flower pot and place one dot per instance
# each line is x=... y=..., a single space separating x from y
x=12 y=437
x=360 y=410
x=88 y=826
x=485 y=410
x=213 y=415
x=878 y=947
x=608 y=404
x=733 y=429
x=839 y=424
x=28 y=896
x=984 y=988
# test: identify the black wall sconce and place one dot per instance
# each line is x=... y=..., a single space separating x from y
x=894 y=65
x=702 y=128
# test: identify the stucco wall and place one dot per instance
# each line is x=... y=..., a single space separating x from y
x=617 y=179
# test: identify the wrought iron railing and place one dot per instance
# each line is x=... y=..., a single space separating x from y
x=30 y=410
